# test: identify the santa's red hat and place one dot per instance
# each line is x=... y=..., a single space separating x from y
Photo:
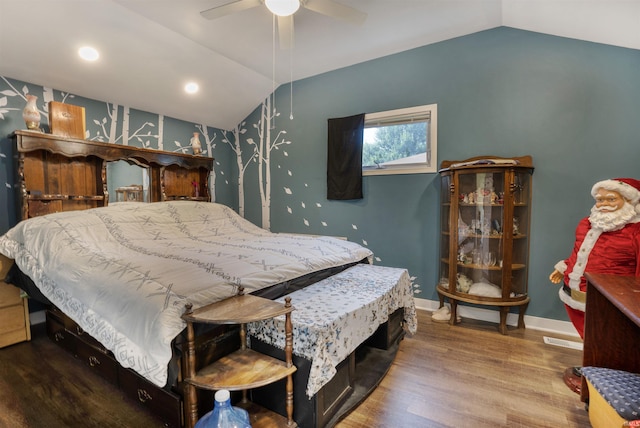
x=629 y=188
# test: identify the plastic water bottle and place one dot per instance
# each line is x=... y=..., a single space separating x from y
x=224 y=415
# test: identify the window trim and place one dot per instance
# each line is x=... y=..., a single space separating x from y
x=418 y=112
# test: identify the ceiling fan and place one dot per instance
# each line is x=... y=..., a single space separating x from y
x=284 y=10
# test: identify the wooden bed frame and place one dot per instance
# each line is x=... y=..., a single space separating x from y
x=61 y=174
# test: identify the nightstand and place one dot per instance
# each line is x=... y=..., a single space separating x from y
x=14 y=316
x=14 y=310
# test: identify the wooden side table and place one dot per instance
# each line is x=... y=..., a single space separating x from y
x=243 y=369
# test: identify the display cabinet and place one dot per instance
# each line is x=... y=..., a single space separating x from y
x=485 y=215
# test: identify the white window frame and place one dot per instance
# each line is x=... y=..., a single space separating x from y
x=407 y=114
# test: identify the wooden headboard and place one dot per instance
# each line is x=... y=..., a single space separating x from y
x=63 y=174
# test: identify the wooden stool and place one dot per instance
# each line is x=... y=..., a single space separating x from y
x=614 y=397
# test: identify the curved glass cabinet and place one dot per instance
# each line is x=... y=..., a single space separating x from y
x=485 y=214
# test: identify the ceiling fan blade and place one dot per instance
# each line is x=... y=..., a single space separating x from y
x=285 y=31
x=336 y=10
x=229 y=8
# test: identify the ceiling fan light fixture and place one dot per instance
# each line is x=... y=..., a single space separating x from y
x=88 y=53
x=282 y=7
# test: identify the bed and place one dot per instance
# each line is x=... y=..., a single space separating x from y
x=117 y=276
x=125 y=272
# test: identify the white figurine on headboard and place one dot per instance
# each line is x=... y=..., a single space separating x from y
x=195 y=144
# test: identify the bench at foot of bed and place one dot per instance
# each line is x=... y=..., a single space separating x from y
x=346 y=331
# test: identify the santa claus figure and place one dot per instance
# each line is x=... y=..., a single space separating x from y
x=608 y=241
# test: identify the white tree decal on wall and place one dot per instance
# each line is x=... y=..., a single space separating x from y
x=108 y=129
x=262 y=154
x=110 y=121
x=210 y=145
x=113 y=114
x=242 y=165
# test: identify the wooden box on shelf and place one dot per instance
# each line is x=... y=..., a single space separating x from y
x=484 y=237
x=67 y=120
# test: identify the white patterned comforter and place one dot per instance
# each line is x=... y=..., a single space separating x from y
x=125 y=272
x=334 y=316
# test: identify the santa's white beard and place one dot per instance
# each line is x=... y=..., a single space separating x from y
x=607 y=220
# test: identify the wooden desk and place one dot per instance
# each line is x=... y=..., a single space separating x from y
x=612 y=324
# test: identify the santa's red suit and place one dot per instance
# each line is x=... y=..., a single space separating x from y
x=615 y=252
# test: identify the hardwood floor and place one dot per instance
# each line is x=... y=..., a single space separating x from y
x=469 y=375
x=444 y=376
x=43 y=386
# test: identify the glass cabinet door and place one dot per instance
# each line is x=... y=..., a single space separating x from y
x=521 y=190
x=445 y=231
x=480 y=234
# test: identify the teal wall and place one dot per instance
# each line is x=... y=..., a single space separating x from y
x=572 y=105
x=144 y=129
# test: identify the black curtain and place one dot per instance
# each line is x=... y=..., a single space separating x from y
x=344 y=161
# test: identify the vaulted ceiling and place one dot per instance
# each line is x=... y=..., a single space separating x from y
x=150 y=48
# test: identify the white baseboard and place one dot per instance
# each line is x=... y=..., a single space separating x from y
x=535 y=323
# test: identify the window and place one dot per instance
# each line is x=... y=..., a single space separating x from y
x=402 y=141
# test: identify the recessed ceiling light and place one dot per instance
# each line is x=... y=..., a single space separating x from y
x=191 y=88
x=88 y=53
